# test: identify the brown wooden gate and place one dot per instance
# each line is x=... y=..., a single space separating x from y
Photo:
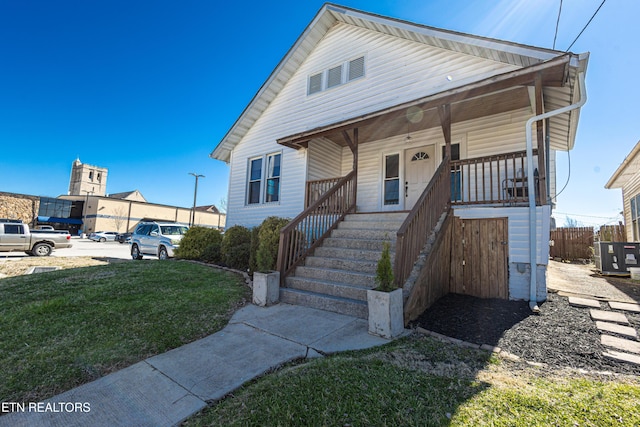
x=479 y=254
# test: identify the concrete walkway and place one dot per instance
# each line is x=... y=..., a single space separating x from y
x=166 y=389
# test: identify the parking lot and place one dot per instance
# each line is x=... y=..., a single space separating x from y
x=84 y=247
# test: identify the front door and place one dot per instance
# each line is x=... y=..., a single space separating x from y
x=419 y=169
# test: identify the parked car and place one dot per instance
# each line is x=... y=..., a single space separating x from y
x=156 y=238
x=15 y=236
x=123 y=238
x=103 y=236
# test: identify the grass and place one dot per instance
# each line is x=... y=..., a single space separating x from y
x=65 y=328
x=422 y=382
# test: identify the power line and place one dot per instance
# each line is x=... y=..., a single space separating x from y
x=557 y=25
x=585 y=27
x=588 y=216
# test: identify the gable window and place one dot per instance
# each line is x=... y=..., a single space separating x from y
x=337 y=75
x=263 y=181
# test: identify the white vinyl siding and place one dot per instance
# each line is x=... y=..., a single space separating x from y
x=324 y=160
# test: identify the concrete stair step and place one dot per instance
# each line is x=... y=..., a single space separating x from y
x=359 y=254
x=326 y=287
x=342 y=264
x=341 y=276
x=364 y=233
x=355 y=243
x=379 y=216
x=331 y=303
x=389 y=226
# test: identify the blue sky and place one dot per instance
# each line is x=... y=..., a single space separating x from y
x=148 y=88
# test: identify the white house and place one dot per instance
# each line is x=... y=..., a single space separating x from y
x=373 y=128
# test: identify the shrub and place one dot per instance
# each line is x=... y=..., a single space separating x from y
x=384 y=272
x=200 y=243
x=269 y=238
x=253 y=251
x=236 y=247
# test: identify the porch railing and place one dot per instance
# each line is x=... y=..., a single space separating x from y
x=315 y=189
x=413 y=233
x=497 y=179
x=307 y=231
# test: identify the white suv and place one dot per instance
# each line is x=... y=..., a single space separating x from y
x=156 y=238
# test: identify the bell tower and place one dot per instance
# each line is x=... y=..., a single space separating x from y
x=87 y=180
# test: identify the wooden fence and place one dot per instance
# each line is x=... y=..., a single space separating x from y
x=572 y=243
x=612 y=233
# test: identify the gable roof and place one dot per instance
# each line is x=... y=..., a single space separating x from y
x=629 y=168
x=129 y=195
x=331 y=14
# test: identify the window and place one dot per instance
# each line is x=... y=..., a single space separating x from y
x=269 y=192
x=273 y=178
x=334 y=76
x=392 y=179
x=356 y=69
x=13 y=229
x=315 y=83
x=337 y=75
x=255 y=180
x=91 y=175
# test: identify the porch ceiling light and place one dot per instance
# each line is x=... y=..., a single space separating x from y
x=414 y=114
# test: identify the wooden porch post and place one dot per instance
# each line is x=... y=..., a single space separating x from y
x=444 y=111
x=353 y=145
x=542 y=169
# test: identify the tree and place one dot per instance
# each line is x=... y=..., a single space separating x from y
x=572 y=223
x=119 y=217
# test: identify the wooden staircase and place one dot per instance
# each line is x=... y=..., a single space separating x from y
x=336 y=277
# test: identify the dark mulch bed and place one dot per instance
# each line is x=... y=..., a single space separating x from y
x=560 y=336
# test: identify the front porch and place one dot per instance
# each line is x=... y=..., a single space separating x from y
x=411 y=159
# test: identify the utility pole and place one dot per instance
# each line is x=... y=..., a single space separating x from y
x=192 y=219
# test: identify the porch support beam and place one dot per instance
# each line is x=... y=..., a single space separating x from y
x=353 y=145
x=444 y=111
x=542 y=152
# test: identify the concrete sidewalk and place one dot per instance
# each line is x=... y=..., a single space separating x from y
x=165 y=389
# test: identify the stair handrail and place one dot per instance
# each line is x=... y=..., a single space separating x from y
x=421 y=221
x=307 y=230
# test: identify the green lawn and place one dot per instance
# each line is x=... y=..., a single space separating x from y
x=422 y=382
x=64 y=328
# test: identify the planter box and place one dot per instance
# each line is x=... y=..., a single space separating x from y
x=386 y=317
x=266 y=288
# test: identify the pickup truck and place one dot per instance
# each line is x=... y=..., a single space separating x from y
x=15 y=236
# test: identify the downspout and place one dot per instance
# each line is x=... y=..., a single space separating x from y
x=533 y=253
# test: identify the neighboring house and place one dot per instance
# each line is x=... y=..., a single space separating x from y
x=369 y=114
x=627 y=177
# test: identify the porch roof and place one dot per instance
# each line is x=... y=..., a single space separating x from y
x=494 y=95
x=329 y=15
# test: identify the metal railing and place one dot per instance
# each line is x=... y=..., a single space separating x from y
x=307 y=231
x=421 y=221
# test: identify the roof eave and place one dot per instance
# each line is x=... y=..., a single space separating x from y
x=616 y=180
